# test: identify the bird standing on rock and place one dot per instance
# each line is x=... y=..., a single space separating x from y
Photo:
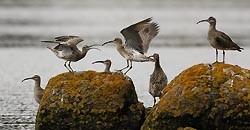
x=158 y=79
x=138 y=37
x=219 y=40
x=107 y=63
x=67 y=49
x=38 y=91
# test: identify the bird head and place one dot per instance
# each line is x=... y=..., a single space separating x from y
x=116 y=41
x=210 y=20
x=87 y=48
x=35 y=77
x=155 y=56
x=106 y=62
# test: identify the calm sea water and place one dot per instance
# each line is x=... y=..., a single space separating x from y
x=18 y=107
x=25 y=23
x=181 y=43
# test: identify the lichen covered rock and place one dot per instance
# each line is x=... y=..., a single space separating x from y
x=205 y=96
x=90 y=101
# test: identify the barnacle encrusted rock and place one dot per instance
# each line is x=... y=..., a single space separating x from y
x=90 y=101
x=205 y=96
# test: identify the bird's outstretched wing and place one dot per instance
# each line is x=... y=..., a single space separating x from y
x=70 y=40
x=61 y=47
x=55 y=42
x=225 y=41
x=139 y=35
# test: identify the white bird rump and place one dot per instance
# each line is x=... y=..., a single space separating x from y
x=138 y=36
x=62 y=51
x=134 y=55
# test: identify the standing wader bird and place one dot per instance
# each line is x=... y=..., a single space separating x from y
x=137 y=36
x=158 y=79
x=38 y=91
x=67 y=49
x=107 y=64
x=219 y=40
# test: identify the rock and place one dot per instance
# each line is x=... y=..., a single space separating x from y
x=186 y=128
x=90 y=101
x=205 y=96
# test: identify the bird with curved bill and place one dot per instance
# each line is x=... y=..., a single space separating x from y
x=158 y=79
x=137 y=39
x=107 y=64
x=219 y=40
x=38 y=91
x=67 y=50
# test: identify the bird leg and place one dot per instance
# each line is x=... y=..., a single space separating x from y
x=70 y=67
x=65 y=64
x=154 y=101
x=216 y=55
x=124 y=67
x=129 y=67
x=224 y=56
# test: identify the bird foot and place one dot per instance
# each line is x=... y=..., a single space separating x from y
x=119 y=71
x=218 y=62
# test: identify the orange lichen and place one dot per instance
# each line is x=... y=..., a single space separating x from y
x=208 y=93
x=90 y=100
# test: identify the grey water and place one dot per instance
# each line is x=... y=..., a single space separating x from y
x=181 y=43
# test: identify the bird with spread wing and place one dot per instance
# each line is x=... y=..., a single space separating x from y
x=137 y=39
x=67 y=50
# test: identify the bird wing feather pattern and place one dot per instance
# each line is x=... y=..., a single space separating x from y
x=159 y=78
x=139 y=35
x=157 y=83
x=225 y=41
x=70 y=40
x=55 y=42
x=63 y=50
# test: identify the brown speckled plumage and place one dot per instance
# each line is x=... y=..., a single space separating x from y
x=158 y=79
x=219 y=40
x=38 y=91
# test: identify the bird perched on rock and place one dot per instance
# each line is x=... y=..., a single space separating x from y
x=38 y=91
x=138 y=37
x=219 y=40
x=158 y=79
x=67 y=49
x=107 y=63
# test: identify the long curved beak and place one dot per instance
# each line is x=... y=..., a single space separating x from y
x=107 y=43
x=97 y=62
x=206 y=20
x=152 y=57
x=94 y=48
x=94 y=45
x=27 y=79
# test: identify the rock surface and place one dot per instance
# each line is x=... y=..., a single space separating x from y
x=205 y=96
x=90 y=101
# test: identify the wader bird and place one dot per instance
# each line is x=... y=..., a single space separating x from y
x=137 y=36
x=158 y=79
x=67 y=49
x=38 y=91
x=107 y=64
x=219 y=40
